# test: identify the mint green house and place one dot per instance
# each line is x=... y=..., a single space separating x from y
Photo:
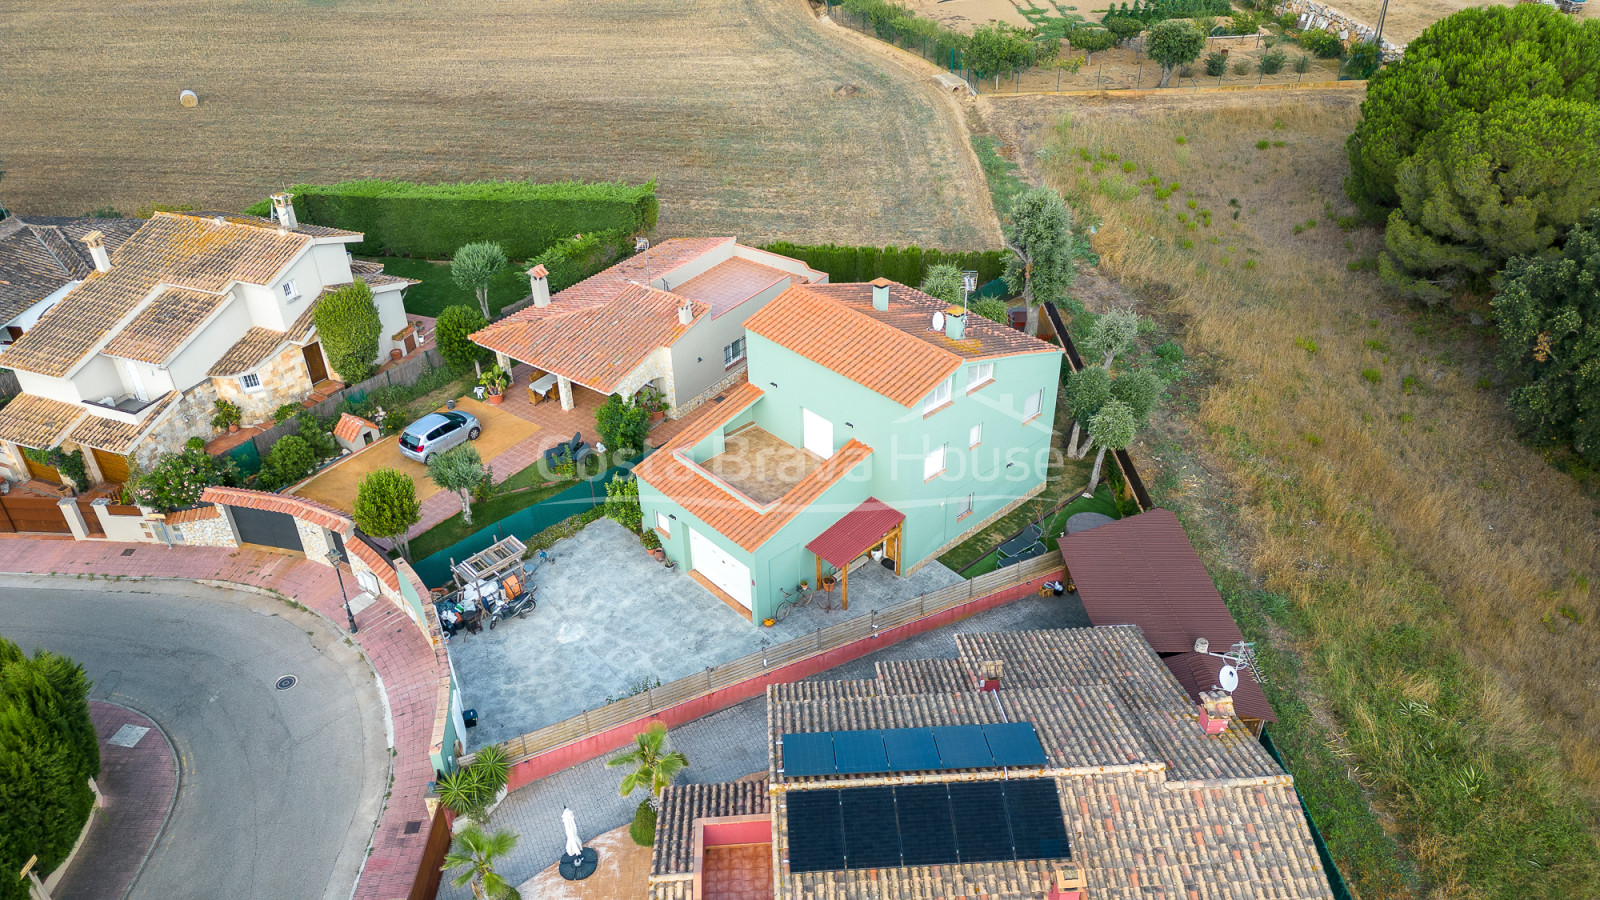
x=876 y=425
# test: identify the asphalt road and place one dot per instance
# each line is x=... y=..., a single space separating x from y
x=278 y=791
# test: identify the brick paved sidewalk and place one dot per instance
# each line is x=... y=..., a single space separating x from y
x=138 y=784
x=407 y=664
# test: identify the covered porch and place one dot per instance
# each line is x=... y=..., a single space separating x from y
x=870 y=534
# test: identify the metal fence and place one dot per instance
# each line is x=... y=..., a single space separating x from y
x=1341 y=890
x=1123 y=459
x=715 y=678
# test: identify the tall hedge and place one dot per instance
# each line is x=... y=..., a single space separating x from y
x=350 y=329
x=906 y=265
x=399 y=218
x=48 y=753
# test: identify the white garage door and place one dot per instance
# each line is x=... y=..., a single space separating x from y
x=719 y=568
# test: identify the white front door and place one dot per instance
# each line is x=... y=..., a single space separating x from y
x=722 y=570
x=818 y=433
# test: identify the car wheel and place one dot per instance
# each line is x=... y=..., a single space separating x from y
x=427 y=458
x=473 y=434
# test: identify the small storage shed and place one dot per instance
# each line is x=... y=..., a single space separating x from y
x=354 y=432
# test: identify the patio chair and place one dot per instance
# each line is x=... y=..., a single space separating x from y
x=1023 y=543
x=576 y=447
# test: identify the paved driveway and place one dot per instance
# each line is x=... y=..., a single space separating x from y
x=278 y=790
x=611 y=619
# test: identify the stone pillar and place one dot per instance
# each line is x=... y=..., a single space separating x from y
x=503 y=360
x=74 y=515
x=564 y=385
x=92 y=465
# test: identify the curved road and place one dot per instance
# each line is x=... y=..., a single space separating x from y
x=278 y=790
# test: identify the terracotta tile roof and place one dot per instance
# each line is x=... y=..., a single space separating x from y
x=824 y=690
x=711 y=501
x=375 y=560
x=196 y=514
x=1197 y=672
x=924 y=676
x=315 y=231
x=856 y=530
x=165 y=325
x=654 y=264
x=713 y=415
x=1143 y=571
x=247 y=353
x=729 y=283
x=299 y=507
x=180 y=250
x=681 y=804
x=893 y=353
x=596 y=344
x=349 y=427
x=37 y=422
x=114 y=436
x=41 y=255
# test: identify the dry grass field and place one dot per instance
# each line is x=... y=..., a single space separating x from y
x=1407 y=20
x=1431 y=585
x=735 y=106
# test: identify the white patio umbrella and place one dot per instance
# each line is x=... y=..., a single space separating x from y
x=570 y=822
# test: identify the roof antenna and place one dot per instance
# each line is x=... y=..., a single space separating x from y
x=640 y=245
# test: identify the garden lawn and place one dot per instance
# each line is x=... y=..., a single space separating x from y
x=438 y=290
x=520 y=491
x=1104 y=502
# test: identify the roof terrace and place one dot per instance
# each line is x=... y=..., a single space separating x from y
x=760 y=465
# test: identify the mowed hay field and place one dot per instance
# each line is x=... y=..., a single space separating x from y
x=1429 y=586
x=734 y=106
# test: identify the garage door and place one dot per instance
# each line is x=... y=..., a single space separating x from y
x=112 y=466
x=719 y=568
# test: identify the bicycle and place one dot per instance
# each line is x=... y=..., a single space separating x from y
x=802 y=597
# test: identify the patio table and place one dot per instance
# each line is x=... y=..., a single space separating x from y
x=539 y=388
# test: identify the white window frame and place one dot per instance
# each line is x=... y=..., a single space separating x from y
x=662 y=525
x=975 y=436
x=1034 y=400
x=933 y=464
x=246 y=378
x=979 y=375
x=290 y=292
x=938 y=397
x=731 y=357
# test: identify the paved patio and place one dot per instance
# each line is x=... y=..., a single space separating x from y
x=610 y=619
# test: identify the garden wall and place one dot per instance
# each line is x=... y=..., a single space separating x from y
x=1318 y=16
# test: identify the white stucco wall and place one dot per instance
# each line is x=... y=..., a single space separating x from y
x=189 y=367
x=392 y=313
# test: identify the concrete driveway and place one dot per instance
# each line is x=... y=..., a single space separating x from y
x=278 y=790
x=611 y=619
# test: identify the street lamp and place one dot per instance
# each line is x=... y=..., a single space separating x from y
x=335 y=559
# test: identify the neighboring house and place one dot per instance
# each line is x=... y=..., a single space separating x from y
x=1063 y=764
x=862 y=433
x=127 y=362
x=671 y=318
x=41 y=259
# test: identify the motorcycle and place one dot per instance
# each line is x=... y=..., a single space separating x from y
x=513 y=600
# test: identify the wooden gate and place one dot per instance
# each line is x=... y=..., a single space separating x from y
x=33 y=514
x=113 y=468
x=429 y=873
x=267 y=528
x=43 y=471
x=91 y=520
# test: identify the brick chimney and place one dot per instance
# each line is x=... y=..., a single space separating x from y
x=539 y=280
x=284 y=209
x=1216 y=708
x=880 y=294
x=96 y=242
x=1068 y=884
x=989 y=672
x=955 y=323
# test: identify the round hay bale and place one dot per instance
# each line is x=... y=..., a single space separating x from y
x=188 y=99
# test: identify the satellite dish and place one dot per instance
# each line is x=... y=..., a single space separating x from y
x=938 y=321
x=1228 y=678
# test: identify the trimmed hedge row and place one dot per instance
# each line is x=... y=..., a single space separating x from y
x=400 y=218
x=906 y=265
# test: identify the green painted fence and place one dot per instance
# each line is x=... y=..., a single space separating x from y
x=583 y=496
x=1335 y=880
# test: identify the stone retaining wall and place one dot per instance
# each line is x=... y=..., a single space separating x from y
x=1347 y=28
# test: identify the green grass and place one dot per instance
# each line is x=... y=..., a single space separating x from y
x=1103 y=502
x=513 y=495
x=1000 y=173
x=438 y=290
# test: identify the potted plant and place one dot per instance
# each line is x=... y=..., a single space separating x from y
x=652 y=401
x=396 y=353
x=652 y=542
x=828 y=581
x=805 y=585
x=226 y=414
x=494 y=382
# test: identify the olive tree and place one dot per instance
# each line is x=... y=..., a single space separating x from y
x=1043 y=262
x=1091 y=41
x=1112 y=428
x=459 y=470
x=1173 y=43
x=474 y=266
x=386 y=506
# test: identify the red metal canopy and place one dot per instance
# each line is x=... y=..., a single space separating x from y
x=1197 y=672
x=855 y=531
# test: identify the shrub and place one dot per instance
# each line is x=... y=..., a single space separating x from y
x=176 y=480
x=1272 y=63
x=1243 y=23
x=991 y=308
x=907 y=265
x=1363 y=58
x=397 y=218
x=1216 y=63
x=285 y=412
x=1241 y=67
x=1123 y=27
x=1303 y=64
x=453 y=331
x=49 y=751
x=386 y=506
x=622 y=503
x=225 y=413
x=573 y=259
x=1324 y=44
x=622 y=424
x=643 y=827
x=290 y=459
x=999 y=48
x=1373 y=376
x=68 y=462
x=348 y=326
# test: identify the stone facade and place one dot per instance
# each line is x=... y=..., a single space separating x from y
x=191 y=418
x=1313 y=15
x=658 y=365
x=734 y=376
x=284 y=379
x=315 y=540
x=214 y=532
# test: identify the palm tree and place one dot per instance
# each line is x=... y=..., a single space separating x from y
x=654 y=766
x=476 y=852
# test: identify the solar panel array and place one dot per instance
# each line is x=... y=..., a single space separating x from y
x=925 y=825
x=912 y=749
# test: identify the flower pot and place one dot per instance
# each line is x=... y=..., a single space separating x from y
x=396 y=353
x=496 y=399
x=450 y=404
x=656 y=417
x=658 y=554
x=768 y=622
x=233 y=427
x=828 y=582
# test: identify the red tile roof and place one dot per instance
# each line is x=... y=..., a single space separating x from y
x=376 y=561
x=729 y=283
x=349 y=427
x=856 y=530
x=894 y=353
x=1143 y=571
x=1197 y=672
x=198 y=514
x=299 y=507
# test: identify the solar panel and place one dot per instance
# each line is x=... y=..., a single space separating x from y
x=857 y=752
x=808 y=754
x=928 y=834
x=911 y=749
x=816 y=831
x=962 y=747
x=1014 y=744
x=983 y=834
x=871 y=833
x=1034 y=807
